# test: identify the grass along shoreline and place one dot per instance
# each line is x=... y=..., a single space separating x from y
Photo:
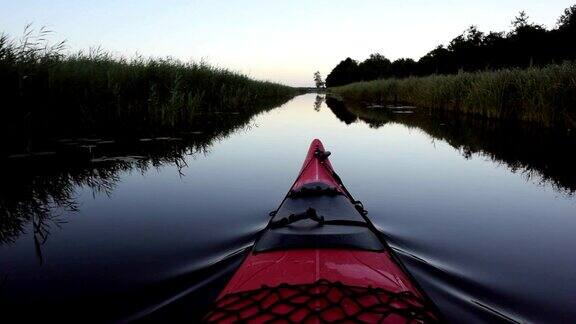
x=542 y=95
x=47 y=93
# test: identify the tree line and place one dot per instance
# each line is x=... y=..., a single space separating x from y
x=527 y=44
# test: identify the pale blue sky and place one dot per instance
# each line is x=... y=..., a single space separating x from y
x=283 y=41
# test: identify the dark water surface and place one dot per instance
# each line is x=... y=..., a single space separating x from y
x=483 y=215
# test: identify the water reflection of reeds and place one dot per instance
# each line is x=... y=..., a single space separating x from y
x=38 y=189
x=540 y=154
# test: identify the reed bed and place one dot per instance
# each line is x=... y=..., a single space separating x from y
x=46 y=92
x=543 y=95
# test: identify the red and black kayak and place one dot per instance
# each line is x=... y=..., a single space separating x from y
x=320 y=259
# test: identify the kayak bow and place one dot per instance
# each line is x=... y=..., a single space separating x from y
x=320 y=259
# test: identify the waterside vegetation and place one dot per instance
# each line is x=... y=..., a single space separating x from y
x=528 y=74
x=49 y=93
x=542 y=95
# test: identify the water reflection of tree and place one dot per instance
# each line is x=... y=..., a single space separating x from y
x=318 y=102
x=539 y=154
x=41 y=193
x=340 y=110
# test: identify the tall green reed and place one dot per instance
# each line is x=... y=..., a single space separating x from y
x=46 y=92
x=544 y=95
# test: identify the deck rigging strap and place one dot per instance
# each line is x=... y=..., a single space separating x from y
x=311 y=214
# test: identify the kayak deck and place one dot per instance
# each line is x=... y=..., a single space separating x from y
x=320 y=260
x=350 y=267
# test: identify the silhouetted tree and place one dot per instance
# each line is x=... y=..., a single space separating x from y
x=568 y=19
x=527 y=40
x=467 y=50
x=436 y=61
x=565 y=35
x=374 y=67
x=402 y=68
x=496 y=50
x=318 y=80
x=345 y=72
x=520 y=21
x=526 y=44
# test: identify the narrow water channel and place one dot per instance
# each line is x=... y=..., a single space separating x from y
x=483 y=215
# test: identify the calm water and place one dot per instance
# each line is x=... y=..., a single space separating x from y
x=483 y=218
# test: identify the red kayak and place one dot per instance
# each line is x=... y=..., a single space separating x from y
x=320 y=259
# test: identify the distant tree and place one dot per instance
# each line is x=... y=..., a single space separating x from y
x=436 y=61
x=496 y=50
x=565 y=35
x=376 y=66
x=568 y=19
x=345 y=72
x=403 y=67
x=318 y=80
x=522 y=25
x=520 y=21
x=466 y=50
x=526 y=44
